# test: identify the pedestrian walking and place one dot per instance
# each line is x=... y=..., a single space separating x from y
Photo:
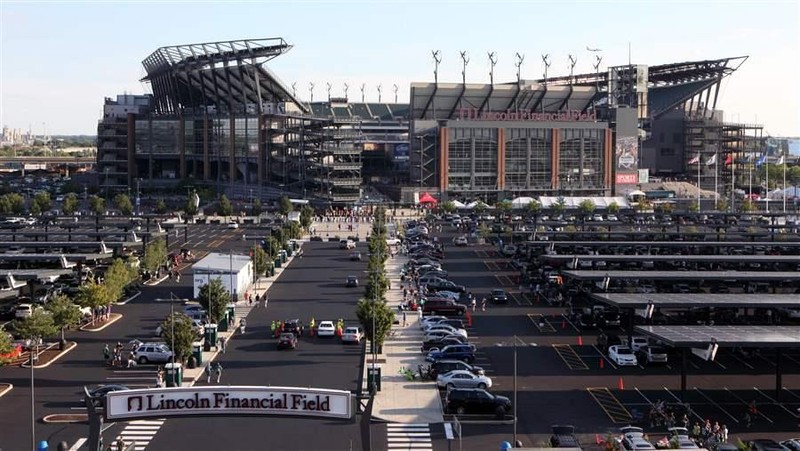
x=208 y=373
x=724 y=434
x=106 y=354
x=473 y=303
x=159 y=380
x=258 y=300
x=483 y=304
x=221 y=343
x=243 y=324
x=218 y=371
x=272 y=327
x=404 y=318
x=265 y=300
x=419 y=312
x=131 y=359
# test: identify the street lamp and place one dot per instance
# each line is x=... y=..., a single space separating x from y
x=515 y=384
x=34 y=356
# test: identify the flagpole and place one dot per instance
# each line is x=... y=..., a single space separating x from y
x=699 y=163
x=784 y=183
x=766 y=168
x=716 y=179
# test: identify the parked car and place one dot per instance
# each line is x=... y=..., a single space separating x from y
x=462 y=401
x=287 y=340
x=462 y=379
x=651 y=354
x=622 y=355
x=439 y=343
x=633 y=439
x=456 y=352
x=765 y=445
x=326 y=329
x=152 y=353
x=564 y=437
x=446 y=285
x=444 y=307
x=352 y=334
x=447 y=365
x=448 y=328
x=233 y=225
x=23 y=311
x=427 y=320
x=351 y=281
x=460 y=240
x=499 y=296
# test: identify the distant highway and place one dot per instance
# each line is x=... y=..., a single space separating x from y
x=49 y=160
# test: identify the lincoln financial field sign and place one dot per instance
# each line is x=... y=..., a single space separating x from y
x=183 y=401
x=512 y=115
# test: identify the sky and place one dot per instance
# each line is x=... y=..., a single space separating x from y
x=60 y=59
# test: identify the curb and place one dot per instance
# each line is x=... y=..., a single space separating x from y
x=114 y=318
x=8 y=388
x=130 y=298
x=70 y=346
x=148 y=283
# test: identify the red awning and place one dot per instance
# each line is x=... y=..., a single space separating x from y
x=426 y=198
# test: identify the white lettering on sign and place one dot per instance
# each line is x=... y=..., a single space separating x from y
x=182 y=401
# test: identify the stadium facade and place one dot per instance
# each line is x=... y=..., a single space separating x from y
x=218 y=115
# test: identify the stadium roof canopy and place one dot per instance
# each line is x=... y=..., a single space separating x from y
x=698 y=300
x=678 y=276
x=669 y=86
x=728 y=336
x=224 y=75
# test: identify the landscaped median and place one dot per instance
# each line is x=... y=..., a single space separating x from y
x=48 y=355
x=5 y=388
x=99 y=325
x=66 y=418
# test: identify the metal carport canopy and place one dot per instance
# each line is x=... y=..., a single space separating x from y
x=697 y=300
x=678 y=276
x=725 y=336
x=619 y=243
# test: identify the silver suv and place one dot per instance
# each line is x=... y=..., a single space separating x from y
x=152 y=353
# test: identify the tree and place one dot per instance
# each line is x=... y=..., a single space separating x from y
x=285 y=206
x=184 y=335
x=586 y=207
x=613 y=208
x=42 y=201
x=306 y=216
x=747 y=206
x=260 y=261
x=97 y=205
x=559 y=205
x=190 y=208
x=272 y=246
x=39 y=325
x=694 y=207
x=293 y=230
x=155 y=255
x=35 y=209
x=383 y=315
x=214 y=298
x=448 y=207
x=65 y=313
x=534 y=207
x=123 y=204
x=722 y=204
x=94 y=295
x=225 y=207
x=16 y=203
x=480 y=207
x=257 y=207
x=504 y=207
x=6 y=345
x=161 y=207
x=70 y=205
x=118 y=276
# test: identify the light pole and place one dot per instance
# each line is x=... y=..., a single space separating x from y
x=421 y=155
x=34 y=356
x=514 y=402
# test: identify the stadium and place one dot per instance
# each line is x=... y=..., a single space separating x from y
x=217 y=115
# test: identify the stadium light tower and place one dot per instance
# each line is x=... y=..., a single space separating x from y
x=395 y=88
x=597 y=61
x=518 y=64
x=437 y=59
x=492 y=62
x=380 y=89
x=464 y=62
x=294 y=89
x=546 y=61
x=329 y=86
x=363 y=87
x=311 y=90
x=346 y=87
x=572 y=62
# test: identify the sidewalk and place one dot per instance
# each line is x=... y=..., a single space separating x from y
x=241 y=310
x=400 y=400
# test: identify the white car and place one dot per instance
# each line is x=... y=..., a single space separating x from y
x=638 y=343
x=622 y=355
x=326 y=329
x=437 y=334
x=447 y=328
x=352 y=334
x=460 y=240
x=233 y=225
x=23 y=311
x=430 y=320
x=462 y=379
x=449 y=295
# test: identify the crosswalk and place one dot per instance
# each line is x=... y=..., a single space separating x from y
x=416 y=437
x=141 y=432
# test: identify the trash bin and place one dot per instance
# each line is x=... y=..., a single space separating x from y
x=197 y=352
x=272 y=271
x=277 y=262
x=374 y=377
x=210 y=336
x=224 y=323
x=295 y=245
x=288 y=251
x=231 y=311
x=174 y=374
x=283 y=256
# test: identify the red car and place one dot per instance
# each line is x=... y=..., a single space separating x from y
x=287 y=340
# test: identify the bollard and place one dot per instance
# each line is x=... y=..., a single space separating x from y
x=580 y=340
x=621 y=384
x=601 y=363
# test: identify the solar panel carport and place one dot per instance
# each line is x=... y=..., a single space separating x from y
x=687 y=258
x=685 y=337
x=694 y=300
x=678 y=276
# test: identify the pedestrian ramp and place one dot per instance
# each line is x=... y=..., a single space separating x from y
x=144 y=377
x=570 y=357
x=610 y=405
x=541 y=323
x=141 y=432
x=411 y=436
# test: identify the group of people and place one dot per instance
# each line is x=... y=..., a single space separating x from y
x=115 y=357
x=214 y=371
x=708 y=435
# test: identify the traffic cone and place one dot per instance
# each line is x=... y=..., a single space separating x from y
x=563 y=324
x=597 y=439
x=469 y=319
x=580 y=340
x=621 y=384
x=601 y=363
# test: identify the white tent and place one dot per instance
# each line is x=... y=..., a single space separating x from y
x=574 y=202
x=521 y=202
x=472 y=205
x=458 y=204
x=790 y=193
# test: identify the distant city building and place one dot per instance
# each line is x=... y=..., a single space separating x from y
x=15 y=136
x=219 y=116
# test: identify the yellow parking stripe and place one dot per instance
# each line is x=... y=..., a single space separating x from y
x=610 y=404
x=570 y=357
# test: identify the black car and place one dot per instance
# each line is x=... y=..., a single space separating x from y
x=462 y=401
x=442 y=342
x=102 y=390
x=8 y=310
x=499 y=296
x=445 y=366
x=446 y=285
x=352 y=281
x=294 y=326
x=763 y=444
x=564 y=437
x=287 y=341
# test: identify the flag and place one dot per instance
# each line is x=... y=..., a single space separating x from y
x=712 y=161
x=695 y=160
x=761 y=160
x=729 y=160
x=781 y=160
